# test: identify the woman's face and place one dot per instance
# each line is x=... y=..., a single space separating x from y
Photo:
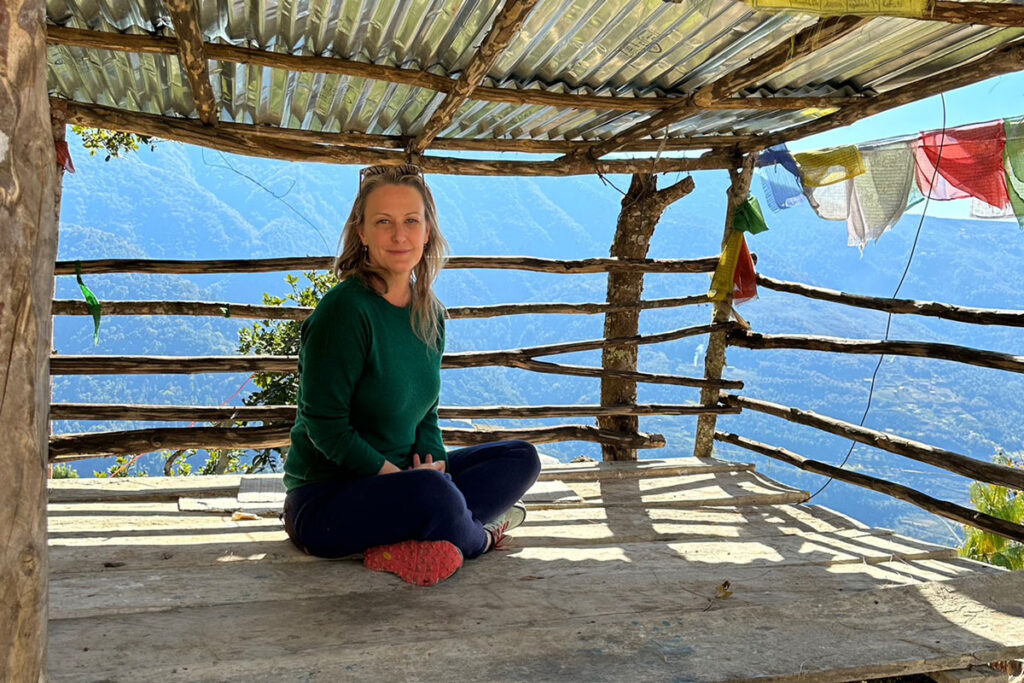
x=395 y=229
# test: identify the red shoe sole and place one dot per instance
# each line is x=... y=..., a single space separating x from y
x=423 y=563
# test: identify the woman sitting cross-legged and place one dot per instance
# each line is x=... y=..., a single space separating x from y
x=366 y=471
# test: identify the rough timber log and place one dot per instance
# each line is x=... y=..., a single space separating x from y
x=714 y=358
x=158 y=413
x=642 y=207
x=821 y=34
x=915 y=450
x=504 y=29
x=185 y=17
x=1007 y=59
x=254 y=141
x=176 y=365
x=964 y=314
x=83 y=446
x=527 y=263
x=251 y=312
x=951 y=352
x=147 y=44
x=957 y=513
x=28 y=247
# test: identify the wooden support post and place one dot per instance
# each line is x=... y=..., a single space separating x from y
x=59 y=128
x=714 y=358
x=28 y=233
x=642 y=207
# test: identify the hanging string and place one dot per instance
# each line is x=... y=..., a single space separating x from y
x=888 y=323
x=278 y=197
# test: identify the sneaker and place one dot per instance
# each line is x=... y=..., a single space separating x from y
x=511 y=518
x=423 y=563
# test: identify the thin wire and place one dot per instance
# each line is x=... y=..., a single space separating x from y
x=888 y=322
x=278 y=197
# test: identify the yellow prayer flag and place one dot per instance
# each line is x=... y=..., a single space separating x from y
x=722 y=281
x=889 y=8
x=829 y=166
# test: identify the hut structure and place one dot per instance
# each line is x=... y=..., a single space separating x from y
x=679 y=569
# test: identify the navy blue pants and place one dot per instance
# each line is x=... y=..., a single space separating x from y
x=337 y=518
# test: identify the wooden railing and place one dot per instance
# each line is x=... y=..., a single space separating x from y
x=964 y=465
x=715 y=400
x=69 y=447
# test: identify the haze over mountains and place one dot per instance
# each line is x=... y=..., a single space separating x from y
x=187 y=203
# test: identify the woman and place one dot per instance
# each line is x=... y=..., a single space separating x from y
x=366 y=471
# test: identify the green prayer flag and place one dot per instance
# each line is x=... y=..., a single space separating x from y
x=93 y=303
x=749 y=218
x=1013 y=164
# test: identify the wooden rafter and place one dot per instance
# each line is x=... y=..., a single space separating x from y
x=261 y=141
x=816 y=37
x=193 y=58
x=145 y=44
x=1008 y=59
x=505 y=28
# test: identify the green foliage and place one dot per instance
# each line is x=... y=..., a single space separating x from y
x=218 y=461
x=280 y=338
x=1001 y=502
x=114 y=143
x=125 y=466
x=64 y=472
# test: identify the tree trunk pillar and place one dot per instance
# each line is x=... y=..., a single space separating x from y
x=28 y=235
x=714 y=358
x=642 y=207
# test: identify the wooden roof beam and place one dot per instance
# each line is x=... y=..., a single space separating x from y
x=505 y=28
x=145 y=44
x=192 y=56
x=822 y=33
x=258 y=141
x=1008 y=59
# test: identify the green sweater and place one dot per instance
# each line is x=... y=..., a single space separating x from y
x=368 y=389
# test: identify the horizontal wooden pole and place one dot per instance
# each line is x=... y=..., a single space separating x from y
x=650 y=378
x=957 y=513
x=285 y=364
x=915 y=450
x=964 y=314
x=184 y=308
x=168 y=365
x=308 y=263
x=145 y=44
x=68 y=447
x=951 y=352
x=251 y=312
x=469 y=359
x=189 y=365
x=158 y=413
x=1002 y=60
x=261 y=142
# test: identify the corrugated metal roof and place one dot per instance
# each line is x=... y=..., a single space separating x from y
x=626 y=48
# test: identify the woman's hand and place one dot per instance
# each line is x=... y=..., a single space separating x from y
x=426 y=464
x=388 y=468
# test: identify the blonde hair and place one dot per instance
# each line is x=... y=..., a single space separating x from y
x=353 y=261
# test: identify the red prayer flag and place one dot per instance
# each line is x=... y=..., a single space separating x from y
x=744 y=279
x=64 y=157
x=969 y=160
